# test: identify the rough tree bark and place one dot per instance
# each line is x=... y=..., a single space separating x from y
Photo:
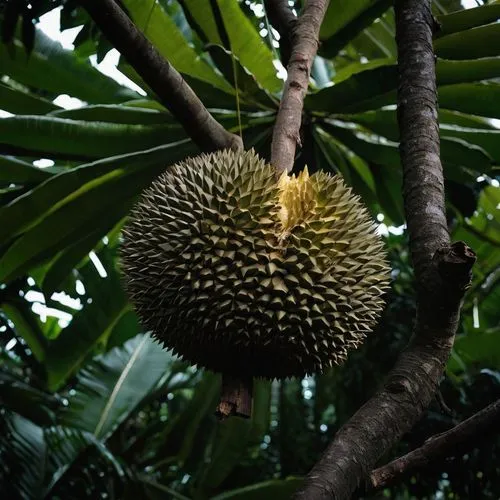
x=450 y=443
x=286 y=133
x=162 y=78
x=442 y=272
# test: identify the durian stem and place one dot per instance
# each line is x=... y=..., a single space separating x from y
x=235 y=397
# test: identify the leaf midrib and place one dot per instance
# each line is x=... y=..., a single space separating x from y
x=118 y=386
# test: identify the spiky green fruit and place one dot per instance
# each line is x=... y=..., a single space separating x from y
x=244 y=275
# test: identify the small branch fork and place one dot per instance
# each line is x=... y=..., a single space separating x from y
x=161 y=77
x=442 y=273
x=286 y=133
x=450 y=443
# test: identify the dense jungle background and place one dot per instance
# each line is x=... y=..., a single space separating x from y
x=90 y=406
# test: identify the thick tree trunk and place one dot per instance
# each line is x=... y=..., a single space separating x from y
x=442 y=272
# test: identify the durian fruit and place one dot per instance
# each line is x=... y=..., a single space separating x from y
x=247 y=276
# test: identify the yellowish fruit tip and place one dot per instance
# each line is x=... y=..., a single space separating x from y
x=296 y=199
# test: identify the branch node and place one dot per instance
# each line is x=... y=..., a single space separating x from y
x=396 y=387
x=295 y=85
x=454 y=264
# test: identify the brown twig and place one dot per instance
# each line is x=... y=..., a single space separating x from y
x=442 y=272
x=286 y=134
x=236 y=397
x=283 y=21
x=160 y=76
x=450 y=443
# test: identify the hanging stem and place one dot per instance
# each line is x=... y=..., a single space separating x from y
x=235 y=398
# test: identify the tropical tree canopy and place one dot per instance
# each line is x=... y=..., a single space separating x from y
x=89 y=402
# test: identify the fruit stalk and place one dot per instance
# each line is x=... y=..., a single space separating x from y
x=235 y=397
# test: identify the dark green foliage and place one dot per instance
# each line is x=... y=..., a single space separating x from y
x=87 y=401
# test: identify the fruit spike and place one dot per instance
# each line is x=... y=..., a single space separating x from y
x=250 y=277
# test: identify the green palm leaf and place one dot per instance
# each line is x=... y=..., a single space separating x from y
x=112 y=385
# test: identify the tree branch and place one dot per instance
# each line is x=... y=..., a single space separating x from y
x=283 y=21
x=286 y=133
x=442 y=272
x=450 y=443
x=160 y=76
